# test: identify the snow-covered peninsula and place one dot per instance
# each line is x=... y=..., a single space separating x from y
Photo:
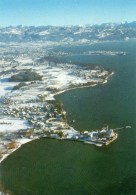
x=28 y=84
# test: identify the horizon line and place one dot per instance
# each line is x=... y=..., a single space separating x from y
x=67 y=25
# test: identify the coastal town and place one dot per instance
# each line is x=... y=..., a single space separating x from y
x=28 y=107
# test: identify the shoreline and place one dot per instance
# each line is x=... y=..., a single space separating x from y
x=86 y=86
x=13 y=150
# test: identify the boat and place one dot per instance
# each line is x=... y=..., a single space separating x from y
x=128 y=127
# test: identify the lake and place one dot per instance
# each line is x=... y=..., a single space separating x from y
x=48 y=166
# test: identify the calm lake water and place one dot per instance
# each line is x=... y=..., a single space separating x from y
x=46 y=166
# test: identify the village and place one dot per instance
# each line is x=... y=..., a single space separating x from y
x=46 y=120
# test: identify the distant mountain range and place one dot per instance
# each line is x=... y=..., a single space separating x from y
x=68 y=34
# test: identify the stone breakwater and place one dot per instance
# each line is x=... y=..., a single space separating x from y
x=28 y=108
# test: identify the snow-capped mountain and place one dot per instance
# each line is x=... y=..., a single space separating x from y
x=83 y=34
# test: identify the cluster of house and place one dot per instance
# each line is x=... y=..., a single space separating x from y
x=101 y=137
x=98 y=138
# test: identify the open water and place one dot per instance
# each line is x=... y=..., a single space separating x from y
x=48 y=167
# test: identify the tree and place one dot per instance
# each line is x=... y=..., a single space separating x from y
x=60 y=134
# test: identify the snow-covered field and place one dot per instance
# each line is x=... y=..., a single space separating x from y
x=11 y=125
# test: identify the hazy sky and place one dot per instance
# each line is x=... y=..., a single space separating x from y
x=65 y=12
